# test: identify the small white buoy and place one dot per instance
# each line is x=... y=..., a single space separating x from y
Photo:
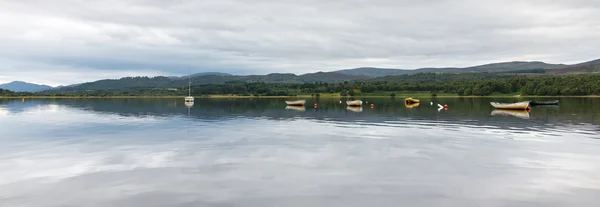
x=340 y=101
x=432 y=103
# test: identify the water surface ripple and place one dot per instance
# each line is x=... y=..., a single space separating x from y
x=255 y=152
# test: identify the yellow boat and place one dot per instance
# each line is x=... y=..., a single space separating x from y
x=411 y=101
x=511 y=106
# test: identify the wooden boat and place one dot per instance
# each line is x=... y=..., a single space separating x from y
x=296 y=103
x=523 y=114
x=297 y=108
x=354 y=103
x=354 y=108
x=511 y=106
x=411 y=100
x=537 y=103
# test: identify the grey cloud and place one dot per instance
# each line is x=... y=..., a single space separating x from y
x=259 y=36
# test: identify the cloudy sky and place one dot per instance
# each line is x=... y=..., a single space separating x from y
x=70 y=41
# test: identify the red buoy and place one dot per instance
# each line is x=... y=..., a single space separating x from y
x=372 y=105
x=446 y=106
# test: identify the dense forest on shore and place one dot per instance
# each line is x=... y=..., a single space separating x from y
x=467 y=84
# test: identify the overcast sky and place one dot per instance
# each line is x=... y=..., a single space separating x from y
x=70 y=41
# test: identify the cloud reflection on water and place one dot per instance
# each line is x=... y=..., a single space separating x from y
x=107 y=159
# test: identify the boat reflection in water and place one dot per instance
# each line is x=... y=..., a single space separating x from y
x=189 y=104
x=297 y=108
x=523 y=114
x=411 y=105
x=354 y=108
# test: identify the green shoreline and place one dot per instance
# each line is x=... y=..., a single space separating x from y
x=399 y=96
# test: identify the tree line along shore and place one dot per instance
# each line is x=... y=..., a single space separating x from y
x=417 y=85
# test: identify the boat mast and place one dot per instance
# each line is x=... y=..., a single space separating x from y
x=189 y=86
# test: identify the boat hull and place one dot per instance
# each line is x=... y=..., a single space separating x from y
x=511 y=106
x=411 y=101
x=296 y=103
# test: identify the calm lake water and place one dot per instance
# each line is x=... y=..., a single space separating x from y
x=255 y=152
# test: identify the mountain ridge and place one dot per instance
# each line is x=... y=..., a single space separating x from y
x=491 y=67
x=21 y=86
x=363 y=73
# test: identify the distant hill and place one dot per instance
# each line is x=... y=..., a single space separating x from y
x=492 y=68
x=20 y=86
x=520 y=68
x=167 y=82
x=586 y=67
x=512 y=66
x=209 y=74
x=200 y=74
x=374 y=72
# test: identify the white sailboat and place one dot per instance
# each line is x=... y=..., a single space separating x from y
x=189 y=100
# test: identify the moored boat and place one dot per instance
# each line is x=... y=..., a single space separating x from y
x=189 y=100
x=296 y=103
x=537 y=103
x=411 y=100
x=354 y=103
x=511 y=106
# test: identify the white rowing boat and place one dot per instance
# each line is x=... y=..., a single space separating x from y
x=296 y=103
x=511 y=106
x=354 y=103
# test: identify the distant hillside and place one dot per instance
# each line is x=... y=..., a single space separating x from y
x=4 y=92
x=511 y=66
x=374 y=72
x=487 y=71
x=166 y=82
x=586 y=67
x=20 y=86
x=208 y=74
x=492 y=68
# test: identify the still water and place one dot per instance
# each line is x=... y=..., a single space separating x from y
x=255 y=152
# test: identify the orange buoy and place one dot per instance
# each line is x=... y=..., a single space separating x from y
x=367 y=102
x=446 y=106
x=372 y=105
